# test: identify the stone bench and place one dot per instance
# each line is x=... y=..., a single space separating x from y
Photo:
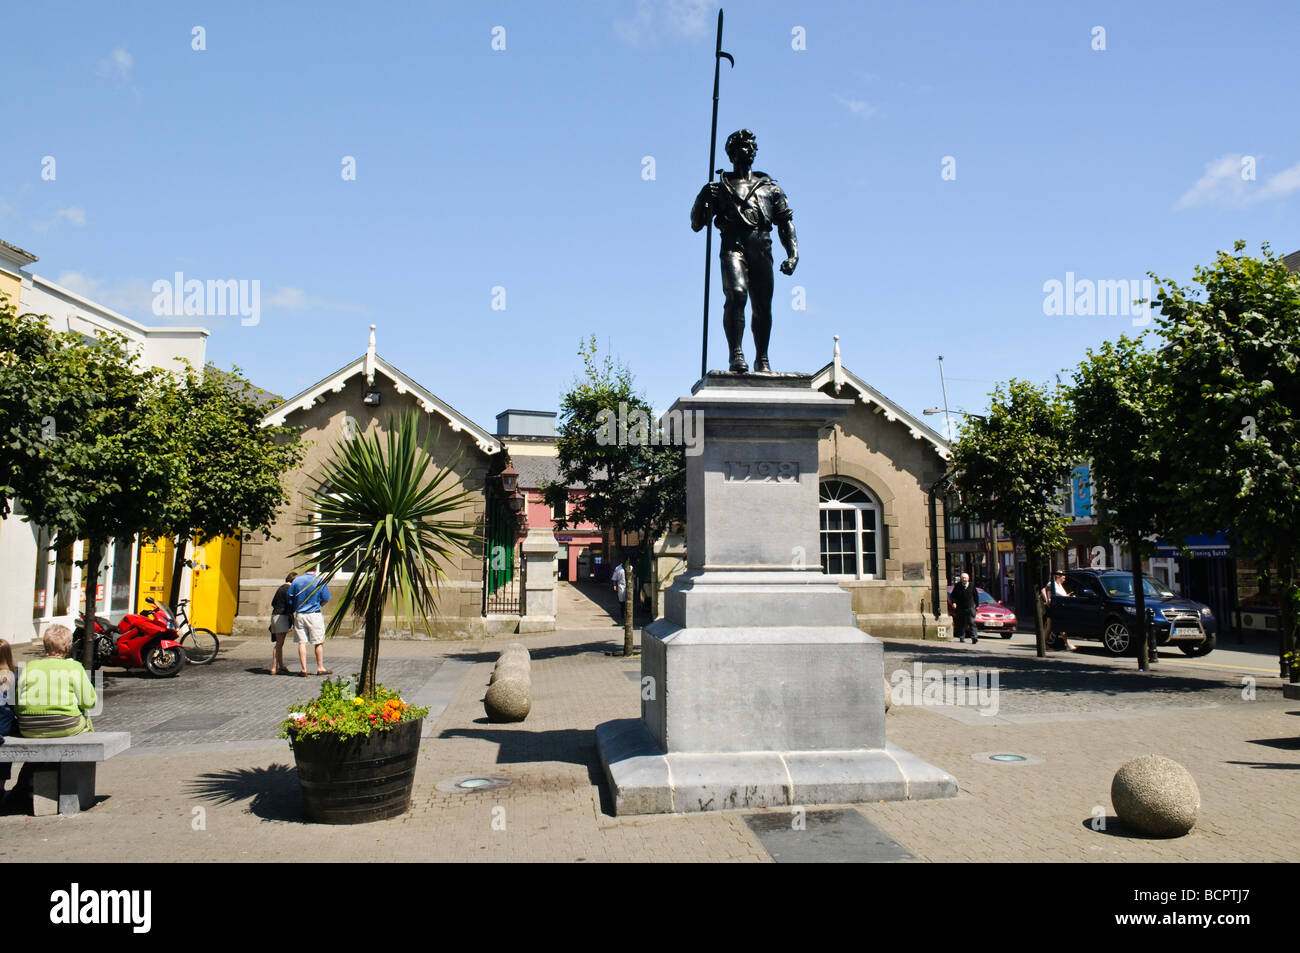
x=63 y=769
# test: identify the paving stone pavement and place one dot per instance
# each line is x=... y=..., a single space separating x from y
x=222 y=798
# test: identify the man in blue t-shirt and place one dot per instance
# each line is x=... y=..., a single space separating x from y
x=307 y=594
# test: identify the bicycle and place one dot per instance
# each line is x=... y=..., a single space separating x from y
x=200 y=645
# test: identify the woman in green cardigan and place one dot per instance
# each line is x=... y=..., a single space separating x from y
x=54 y=693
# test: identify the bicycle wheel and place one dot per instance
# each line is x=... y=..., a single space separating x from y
x=200 y=646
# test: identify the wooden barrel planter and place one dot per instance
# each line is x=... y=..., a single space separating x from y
x=361 y=779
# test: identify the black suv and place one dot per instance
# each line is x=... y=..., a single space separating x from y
x=1100 y=606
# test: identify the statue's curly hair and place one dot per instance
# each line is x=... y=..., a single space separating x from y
x=736 y=138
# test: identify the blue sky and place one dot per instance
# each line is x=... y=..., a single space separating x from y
x=523 y=168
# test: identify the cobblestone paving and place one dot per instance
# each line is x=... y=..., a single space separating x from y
x=229 y=701
x=205 y=802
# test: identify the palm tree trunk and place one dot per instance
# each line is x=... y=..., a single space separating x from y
x=370 y=652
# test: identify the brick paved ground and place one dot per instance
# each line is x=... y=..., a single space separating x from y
x=218 y=798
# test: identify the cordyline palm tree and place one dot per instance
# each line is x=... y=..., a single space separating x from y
x=391 y=509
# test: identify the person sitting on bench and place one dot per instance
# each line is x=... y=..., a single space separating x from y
x=54 y=693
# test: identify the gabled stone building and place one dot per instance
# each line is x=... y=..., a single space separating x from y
x=881 y=525
x=365 y=395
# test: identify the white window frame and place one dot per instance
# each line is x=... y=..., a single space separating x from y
x=342 y=574
x=873 y=505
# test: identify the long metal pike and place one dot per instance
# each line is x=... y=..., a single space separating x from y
x=718 y=54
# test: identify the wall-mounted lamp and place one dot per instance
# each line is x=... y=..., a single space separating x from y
x=370 y=398
x=510 y=480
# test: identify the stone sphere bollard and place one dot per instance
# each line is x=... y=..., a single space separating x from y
x=510 y=666
x=508 y=699
x=1155 y=796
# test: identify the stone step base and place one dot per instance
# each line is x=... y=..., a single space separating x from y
x=645 y=780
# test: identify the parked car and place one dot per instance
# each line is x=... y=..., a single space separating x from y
x=990 y=614
x=1100 y=607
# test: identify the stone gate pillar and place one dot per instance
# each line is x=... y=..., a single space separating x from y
x=539 y=549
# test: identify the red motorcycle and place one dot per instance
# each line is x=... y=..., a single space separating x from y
x=147 y=640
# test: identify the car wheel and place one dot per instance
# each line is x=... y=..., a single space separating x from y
x=1117 y=639
x=1197 y=649
x=1053 y=639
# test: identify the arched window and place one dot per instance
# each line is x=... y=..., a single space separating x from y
x=850 y=530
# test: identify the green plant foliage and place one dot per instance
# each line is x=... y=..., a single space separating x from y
x=1119 y=420
x=82 y=452
x=1012 y=467
x=631 y=485
x=384 y=498
x=227 y=468
x=339 y=712
x=1231 y=369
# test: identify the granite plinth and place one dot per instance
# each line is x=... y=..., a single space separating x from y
x=757 y=688
x=645 y=780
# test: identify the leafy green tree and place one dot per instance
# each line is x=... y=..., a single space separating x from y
x=1117 y=420
x=1231 y=368
x=228 y=469
x=386 y=503
x=1012 y=466
x=608 y=442
x=80 y=448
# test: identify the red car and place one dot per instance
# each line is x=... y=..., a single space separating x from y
x=990 y=615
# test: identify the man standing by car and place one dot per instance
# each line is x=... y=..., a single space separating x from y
x=964 y=600
x=307 y=594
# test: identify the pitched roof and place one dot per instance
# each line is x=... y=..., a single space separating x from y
x=1292 y=260
x=838 y=375
x=534 y=471
x=367 y=365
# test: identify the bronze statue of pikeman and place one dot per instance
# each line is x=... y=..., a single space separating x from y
x=746 y=205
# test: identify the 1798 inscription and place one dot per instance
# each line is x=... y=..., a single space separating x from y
x=761 y=471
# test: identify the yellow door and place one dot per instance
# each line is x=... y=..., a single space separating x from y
x=155 y=571
x=214 y=584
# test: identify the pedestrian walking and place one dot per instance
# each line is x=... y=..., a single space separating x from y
x=307 y=595
x=964 y=599
x=619 y=579
x=281 y=624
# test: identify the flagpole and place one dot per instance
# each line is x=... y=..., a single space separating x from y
x=708 y=238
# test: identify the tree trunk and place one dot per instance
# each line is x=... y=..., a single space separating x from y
x=1040 y=632
x=1139 y=605
x=629 y=606
x=1286 y=612
x=178 y=568
x=370 y=652
x=88 y=639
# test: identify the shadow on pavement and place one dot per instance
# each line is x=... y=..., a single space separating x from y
x=272 y=791
x=1059 y=674
x=1114 y=827
x=515 y=746
x=551 y=651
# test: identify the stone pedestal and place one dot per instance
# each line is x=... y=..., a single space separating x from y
x=539 y=549
x=757 y=688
